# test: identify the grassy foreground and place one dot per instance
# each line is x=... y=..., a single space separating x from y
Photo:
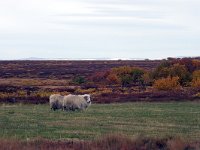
x=27 y=121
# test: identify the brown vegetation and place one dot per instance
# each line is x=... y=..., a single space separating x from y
x=109 y=142
x=107 y=81
x=169 y=83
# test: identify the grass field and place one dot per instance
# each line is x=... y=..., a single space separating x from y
x=27 y=121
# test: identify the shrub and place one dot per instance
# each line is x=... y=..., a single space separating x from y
x=147 y=79
x=113 y=79
x=165 y=70
x=122 y=70
x=169 y=83
x=181 y=72
x=126 y=80
x=99 y=76
x=196 y=83
x=79 y=80
x=127 y=75
x=196 y=78
x=187 y=62
x=137 y=75
x=196 y=75
x=196 y=63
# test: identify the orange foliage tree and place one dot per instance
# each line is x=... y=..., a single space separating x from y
x=169 y=83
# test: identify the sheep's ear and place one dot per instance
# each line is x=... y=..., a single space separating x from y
x=85 y=97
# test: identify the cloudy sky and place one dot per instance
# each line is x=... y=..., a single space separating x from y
x=99 y=28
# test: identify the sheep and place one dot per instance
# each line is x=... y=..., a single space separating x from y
x=76 y=102
x=56 y=101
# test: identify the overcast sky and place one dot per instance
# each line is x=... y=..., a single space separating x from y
x=99 y=28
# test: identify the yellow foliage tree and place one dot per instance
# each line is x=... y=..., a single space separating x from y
x=169 y=83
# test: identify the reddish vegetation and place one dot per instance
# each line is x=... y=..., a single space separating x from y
x=64 y=69
x=110 y=142
x=106 y=81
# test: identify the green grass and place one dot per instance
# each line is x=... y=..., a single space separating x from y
x=133 y=119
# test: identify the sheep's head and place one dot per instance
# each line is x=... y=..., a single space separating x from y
x=87 y=98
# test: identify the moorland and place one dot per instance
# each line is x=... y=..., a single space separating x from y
x=146 y=104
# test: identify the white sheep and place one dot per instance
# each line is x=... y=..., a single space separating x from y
x=76 y=102
x=56 y=101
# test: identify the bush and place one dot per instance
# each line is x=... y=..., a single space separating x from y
x=127 y=75
x=99 y=77
x=196 y=78
x=147 y=79
x=113 y=79
x=126 y=80
x=196 y=75
x=137 y=75
x=196 y=64
x=79 y=80
x=175 y=70
x=181 y=72
x=169 y=83
x=196 y=83
x=120 y=71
